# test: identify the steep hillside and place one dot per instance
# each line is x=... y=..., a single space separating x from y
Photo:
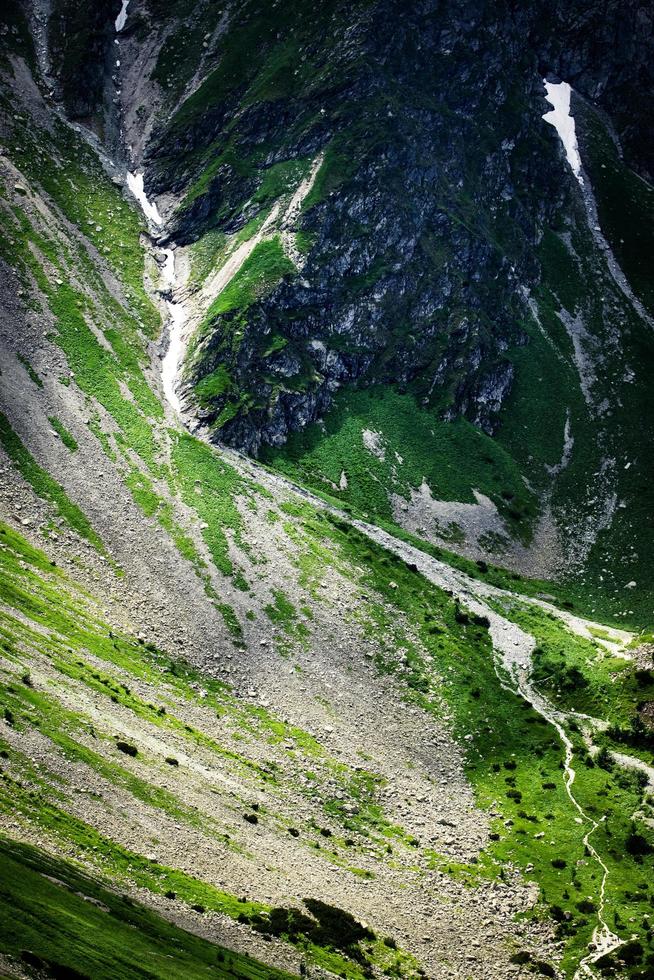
x=407 y=248
x=348 y=713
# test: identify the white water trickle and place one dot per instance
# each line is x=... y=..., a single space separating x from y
x=176 y=310
x=558 y=95
x=172 y=358
x=150 y=210
x=168 y=271
x=121 y=19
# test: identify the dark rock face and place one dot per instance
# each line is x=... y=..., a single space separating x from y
x=80 y=39
x=605 y=51
x=439 y=177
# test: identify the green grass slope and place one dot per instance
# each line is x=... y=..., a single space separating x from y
x=57 y=919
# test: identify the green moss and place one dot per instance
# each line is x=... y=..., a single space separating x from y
x=30 y=370
x=264 y=268
x=213 y=248
x=338 y=166
x=102 y=437
x=209 y=485
x=143 y=492
x=280 y=179
x=304 y=241
x=45 y=486
x=283 y=614
x=275 y=344
x=205 y=253
x=70 y=922
x=68 y=440
x=219 y=382
x=454 y=458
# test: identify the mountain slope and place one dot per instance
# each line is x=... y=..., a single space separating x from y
x=271 y=734
x=412 y=228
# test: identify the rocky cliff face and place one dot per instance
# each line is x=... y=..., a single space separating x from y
x=438 y=180
x=417 y=239
x=365 y=197
x=80 y=42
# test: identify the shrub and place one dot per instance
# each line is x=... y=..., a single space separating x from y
x=459 y=615
x=636 y=844
x=631 y=952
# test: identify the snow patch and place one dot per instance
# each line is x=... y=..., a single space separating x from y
x=150 y=210
x=177 y=318
x=558 y=95
x=173 y=356
x=168 y=271
x=121 y=19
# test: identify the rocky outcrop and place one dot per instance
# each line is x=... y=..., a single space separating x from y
x=80 y=38
x=438 y=180
x=606 y=52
